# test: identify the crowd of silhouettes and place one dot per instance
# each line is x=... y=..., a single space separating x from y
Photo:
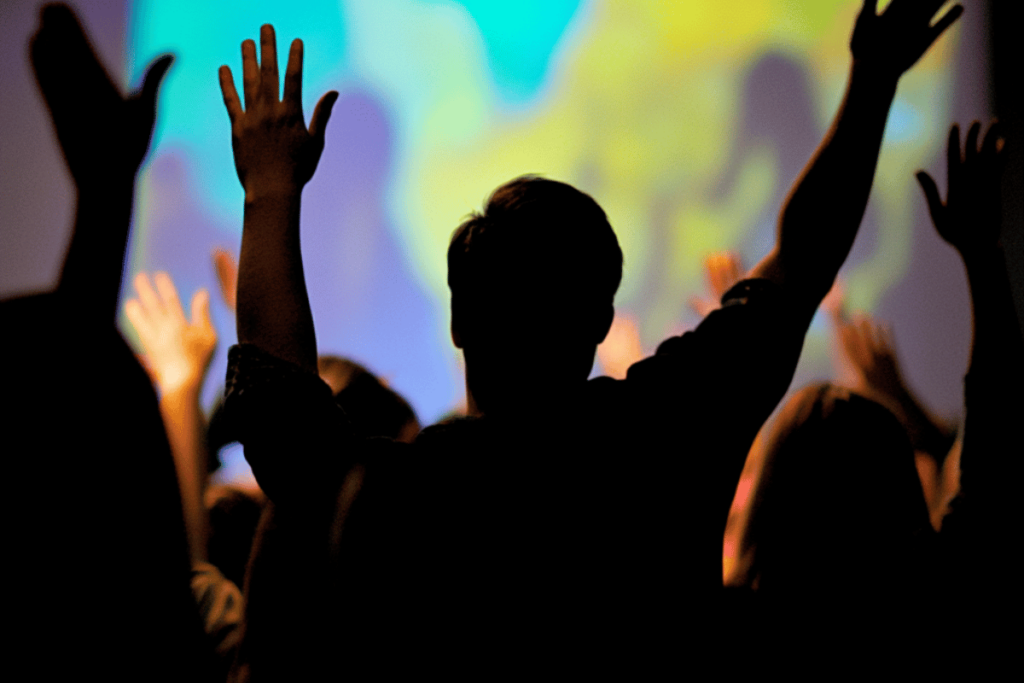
x=561 y=523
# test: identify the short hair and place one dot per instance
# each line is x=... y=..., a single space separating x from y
x=838 y=491
x=373 y=408
x=537 y=240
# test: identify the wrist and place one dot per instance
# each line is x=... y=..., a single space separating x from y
x=981 y=255
x=879 y=75
x=105 y=190
x=272 y=191
x=185 y=381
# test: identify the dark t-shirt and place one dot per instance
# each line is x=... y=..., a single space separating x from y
x=597 y=517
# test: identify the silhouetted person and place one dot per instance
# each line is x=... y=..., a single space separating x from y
x=98 y=565
x=373 y=408
x=978 y=534
x=839 y=535
x=838 y=511
x=569 y=514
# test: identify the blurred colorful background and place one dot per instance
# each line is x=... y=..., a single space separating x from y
x=687 y=121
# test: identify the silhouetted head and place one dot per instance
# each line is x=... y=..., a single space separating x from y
x=838 y=504
x=234 y=515
x=373 y=408
x=533 y=280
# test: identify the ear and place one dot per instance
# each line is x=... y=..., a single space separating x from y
x=604 y=324
x=456 y=328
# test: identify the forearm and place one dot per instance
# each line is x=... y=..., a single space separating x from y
x=186 y=431
x=927 y=434
x=820 y=218
x=273 y=306
x=993 y=403
x=95 y=258
x=997 y=348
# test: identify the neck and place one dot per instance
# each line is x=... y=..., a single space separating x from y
x=472 y=409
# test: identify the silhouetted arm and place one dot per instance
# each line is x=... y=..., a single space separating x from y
x=104 y=137
x=970 y=220
x=275 y=156
x=820 y=218
x=107 y=461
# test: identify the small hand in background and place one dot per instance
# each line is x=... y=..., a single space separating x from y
x=178 y=351
x=722 y=270
x=845 y=373
x=227 y=276
x=894 y=40
x=867 y=363
x=971 y=216
x=868 y=349
x=621 y=347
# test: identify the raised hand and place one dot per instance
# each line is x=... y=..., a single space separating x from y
x=274 y=151
x=722 y=270
x=869 y=350
x=866 y=352
x=178 y=351
x=970 y=218
x=102 y=133
x=894 y=40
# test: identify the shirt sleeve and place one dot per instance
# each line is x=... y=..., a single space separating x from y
x=739 y=360
x=702 y=397
x=296 y=439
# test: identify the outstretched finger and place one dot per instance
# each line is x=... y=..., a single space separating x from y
x=270 y=84
x=944 y=22
x=723 y=270
x=991 y=145
x=147 y=296
x=714 y=264
x=165 y=286
x=227 y=88
x=853 y=341
x=322 y=114
x=971 y=143
x=250 y=73
x=886 y=339
x=931 y=194
x=866 y=327
x=154 y=76
x=953 y=158
x=200 y=308
x=227 y=276
x=293 y=76
x=138 y=318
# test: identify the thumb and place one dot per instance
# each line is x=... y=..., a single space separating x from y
x=143 y=360
x=154 y=75
x=868 y=9
x=931 y=194
x=322 y=114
